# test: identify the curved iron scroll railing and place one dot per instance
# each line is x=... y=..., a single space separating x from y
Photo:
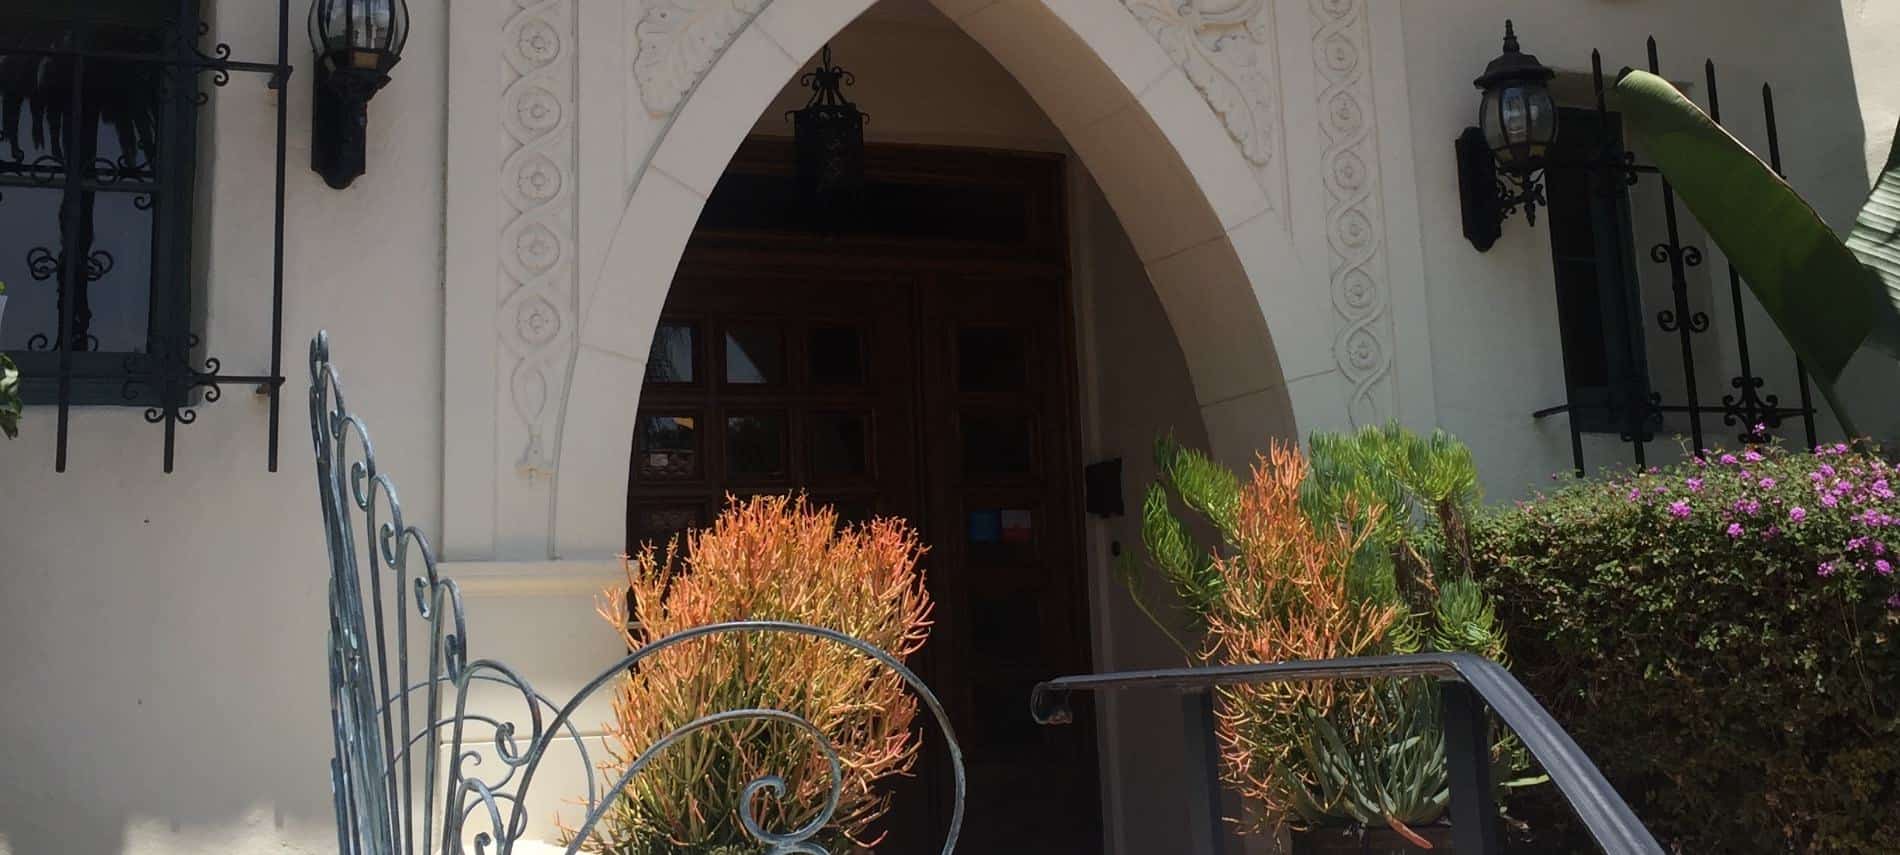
x=407 y=774
x=1468 y=684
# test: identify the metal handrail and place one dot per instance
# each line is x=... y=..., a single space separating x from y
x=1461 y=676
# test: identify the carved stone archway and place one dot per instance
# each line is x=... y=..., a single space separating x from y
x=1240 y=142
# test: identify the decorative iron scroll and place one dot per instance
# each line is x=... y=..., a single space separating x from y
x=405 y=738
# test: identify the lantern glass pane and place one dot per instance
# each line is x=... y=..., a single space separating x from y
x=1489 y=122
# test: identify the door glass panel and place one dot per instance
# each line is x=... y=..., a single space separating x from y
x=755 y=445
x=669 y=448
x=837 y=356
x=851 y=510
x=755 y=355
x=840 y=444
x=673 y=358
x=990 y=359
x=658 y=524
x=996 y=443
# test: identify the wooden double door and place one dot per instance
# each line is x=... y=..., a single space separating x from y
x=942 y=398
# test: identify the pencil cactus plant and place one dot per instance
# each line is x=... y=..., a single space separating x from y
x=766 y=558
x=1358 y=547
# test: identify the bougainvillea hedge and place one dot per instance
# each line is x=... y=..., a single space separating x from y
x=1723 y=637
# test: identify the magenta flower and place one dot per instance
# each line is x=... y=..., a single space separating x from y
x=1734 y=530
x=1694 y=484
x=1679 y=509
x=1767 y=483
x=1883 y=568
x=1893 y=602
x=1830 y=500
x=1728 y=460
x=1636 y=494
x=1752 y=456
x=1797 y=513
x=1747 y=506
x=1827 y=568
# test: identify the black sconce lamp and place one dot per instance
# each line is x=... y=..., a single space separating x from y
x=828 y=144
x=357 y=43
x=1501 y=161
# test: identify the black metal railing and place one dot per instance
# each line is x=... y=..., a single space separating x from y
x=1752 y=411
x=151 y=88
x=1468 y=685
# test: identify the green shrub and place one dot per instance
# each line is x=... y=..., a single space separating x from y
x=1720 y=638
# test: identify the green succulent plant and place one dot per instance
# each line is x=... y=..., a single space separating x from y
x=1407 y=501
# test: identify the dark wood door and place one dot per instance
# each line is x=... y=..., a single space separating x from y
x=942 y=399
x=1002 y=517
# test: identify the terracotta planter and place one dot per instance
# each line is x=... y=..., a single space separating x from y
x=1370 y=841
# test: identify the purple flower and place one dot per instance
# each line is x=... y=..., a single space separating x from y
x=1752 y=456
x=1728 y=460
x=1827 y=470
x=1883 y=568
x=1772 y=533
x=1881 y=489
x=1840 y=448
x=1893 y=602
x=1636 y=494
x=1679 y=509
x=1760 y=428
x=1829 y=500
x=1797 y=513
x=1827 y=568
x=1695 y=485
x=1747 y=506
x=1734 y=530
x=1767 y=483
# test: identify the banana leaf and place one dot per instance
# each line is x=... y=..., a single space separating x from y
x=1818 y=291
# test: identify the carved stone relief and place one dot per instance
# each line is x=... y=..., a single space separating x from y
x=536 y=320
x=679 y=40
x=1226 y=48
x=1362 y=343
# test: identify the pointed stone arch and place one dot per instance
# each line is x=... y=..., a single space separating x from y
x=1165 y=131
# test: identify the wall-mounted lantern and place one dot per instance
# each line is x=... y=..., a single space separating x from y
x=357 y=43
x=829 y=143
x=1501 y=161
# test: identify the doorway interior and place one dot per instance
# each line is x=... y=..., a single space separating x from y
x=913 y=360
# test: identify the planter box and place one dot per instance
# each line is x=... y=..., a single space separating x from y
x=1370 y=841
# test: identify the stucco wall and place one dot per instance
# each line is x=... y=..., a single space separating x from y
x=164 y=690
x=164 y=687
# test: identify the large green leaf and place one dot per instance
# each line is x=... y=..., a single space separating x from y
x=1813 y=287
x=1876 y=240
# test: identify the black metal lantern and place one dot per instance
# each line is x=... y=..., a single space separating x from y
x=1501 y=161
x=829 y=143
x=357 y=43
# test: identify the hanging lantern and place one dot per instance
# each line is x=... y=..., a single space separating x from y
x=1501 y=160
x=1517 y=114
x=829 y=144
x=357 y=42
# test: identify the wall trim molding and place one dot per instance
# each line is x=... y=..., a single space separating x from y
x=533 y=578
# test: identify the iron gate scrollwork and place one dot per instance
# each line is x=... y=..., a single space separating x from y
x=407 y=775
x=1748 y=408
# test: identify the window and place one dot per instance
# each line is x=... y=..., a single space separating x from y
x=1598 y=310
x=97 y=131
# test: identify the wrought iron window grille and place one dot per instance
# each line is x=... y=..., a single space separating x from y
x=167 y=372
x=1752 y=411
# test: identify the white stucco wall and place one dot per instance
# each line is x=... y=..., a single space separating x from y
x=164 y=688
x=163 y=691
